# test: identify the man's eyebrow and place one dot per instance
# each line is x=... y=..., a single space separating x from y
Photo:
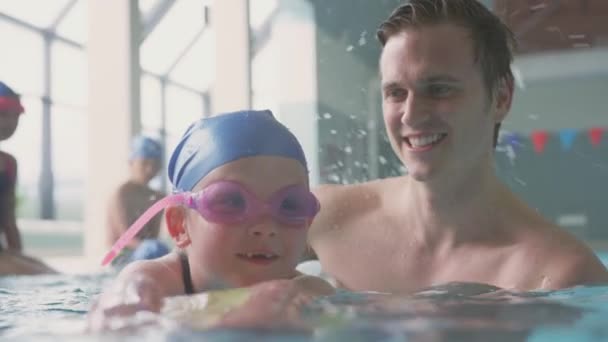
x=425 y=80
x=390 y=85
x=440 y=78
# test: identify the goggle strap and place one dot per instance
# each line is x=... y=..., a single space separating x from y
x=128 y=235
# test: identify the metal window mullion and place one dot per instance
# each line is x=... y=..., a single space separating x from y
x=163 y=127
x=50 y=34
x=46 y=181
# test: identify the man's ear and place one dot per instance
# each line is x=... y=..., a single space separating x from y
x=175 y=217
x=503 y=98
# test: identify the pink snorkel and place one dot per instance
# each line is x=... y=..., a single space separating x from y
x=177 y=199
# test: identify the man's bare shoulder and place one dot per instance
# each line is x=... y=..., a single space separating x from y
x=341 y=203
x=564 y=260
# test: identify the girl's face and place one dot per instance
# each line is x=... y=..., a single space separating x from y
x=8 y=123
x=256 y=250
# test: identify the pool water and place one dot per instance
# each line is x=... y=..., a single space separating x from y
x=50 y=308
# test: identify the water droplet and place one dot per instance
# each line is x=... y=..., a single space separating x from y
x=326 y=116
x=350 y=48
x=362 y=41
x=382 y=160
x=520 y=181
x=333 y=131
x=348 y=150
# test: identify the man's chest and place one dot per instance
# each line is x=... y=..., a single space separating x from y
x=372 y=259
x=386 y=263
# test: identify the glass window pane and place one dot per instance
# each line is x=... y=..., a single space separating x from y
x=69 y=79
x=196 y=69
x=261 y=12
x=183 y=107
x=38 y=13
x=69 y=131
x=74 y=24
x=24 y=145
x=146 y=6
x=177 y=29
x=264 y=76
x=21 y=66
x=150 y=102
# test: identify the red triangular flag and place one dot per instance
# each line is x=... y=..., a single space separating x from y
x=539 y=139
x=595 y=135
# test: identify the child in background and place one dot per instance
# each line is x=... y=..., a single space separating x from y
x=132 y=199
x=12 y=261
x=239 y=216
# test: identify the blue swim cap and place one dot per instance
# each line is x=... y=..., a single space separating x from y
x=9 y=100
x=145 y=148
x=6 y=91
x=212 y=142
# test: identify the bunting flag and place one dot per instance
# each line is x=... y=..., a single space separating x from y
x=595 y=135
x=539 y=140
x=567 y=137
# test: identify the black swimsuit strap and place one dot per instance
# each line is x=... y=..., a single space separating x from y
x=186 y=277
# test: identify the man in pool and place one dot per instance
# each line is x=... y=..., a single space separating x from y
x=446 y=87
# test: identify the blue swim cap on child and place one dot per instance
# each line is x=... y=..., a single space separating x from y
x=211 y=142
x=145 y=148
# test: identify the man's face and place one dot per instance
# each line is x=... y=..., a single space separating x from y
x=437 y=111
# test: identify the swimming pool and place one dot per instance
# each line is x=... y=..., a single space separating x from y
x=49 y=308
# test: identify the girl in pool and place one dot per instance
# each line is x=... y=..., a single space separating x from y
x=239 y=216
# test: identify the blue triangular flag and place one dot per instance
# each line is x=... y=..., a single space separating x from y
x=512 y=139
x=566 y=137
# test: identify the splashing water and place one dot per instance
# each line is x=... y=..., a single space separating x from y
x=54 y=308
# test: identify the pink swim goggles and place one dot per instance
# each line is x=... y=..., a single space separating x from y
x=227 y=202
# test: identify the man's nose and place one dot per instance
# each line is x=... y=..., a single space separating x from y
x=414 y=111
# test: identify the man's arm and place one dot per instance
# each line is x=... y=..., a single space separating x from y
x=324 y=221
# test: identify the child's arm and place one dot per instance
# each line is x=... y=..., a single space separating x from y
x=140 y=286
x=9 y=224
x=314 y=286
x=13 y=237
x=276 y=302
